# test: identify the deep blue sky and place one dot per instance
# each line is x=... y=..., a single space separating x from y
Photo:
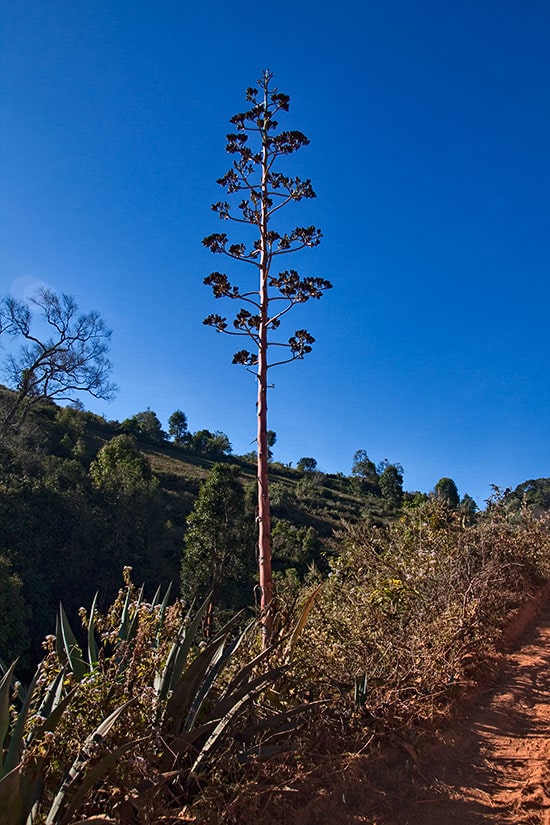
x=429 y=125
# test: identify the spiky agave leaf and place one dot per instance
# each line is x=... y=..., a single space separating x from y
x=185 y=691
x=76 y=775
x=67 y=647
x=231 y=707
x=19 y=792
x=217 y=665
x=22 y=782
x=5 y=718
x=15 y=748
x=300 y=624
x=91 y=778
x=274 y=732
x=162 y=610
x=179 y=652
x=93 y=652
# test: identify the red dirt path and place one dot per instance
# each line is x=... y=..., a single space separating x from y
x=492 y=765
x=488 y=765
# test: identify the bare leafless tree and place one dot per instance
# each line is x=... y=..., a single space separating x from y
x=70 y=359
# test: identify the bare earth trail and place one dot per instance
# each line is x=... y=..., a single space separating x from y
x=493 y=764
x=487 y=764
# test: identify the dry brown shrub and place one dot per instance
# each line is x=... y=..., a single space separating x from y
x=409 y=604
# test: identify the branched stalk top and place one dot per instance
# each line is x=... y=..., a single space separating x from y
x=256 y=146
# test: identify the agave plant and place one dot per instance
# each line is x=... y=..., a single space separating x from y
x=196 y=700
x=24 y=792
x=23 y=761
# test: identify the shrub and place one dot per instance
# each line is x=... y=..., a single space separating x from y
x=408 y=605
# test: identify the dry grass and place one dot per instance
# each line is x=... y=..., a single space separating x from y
x=417 y=608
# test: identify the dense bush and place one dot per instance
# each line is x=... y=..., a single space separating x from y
x=409 y=606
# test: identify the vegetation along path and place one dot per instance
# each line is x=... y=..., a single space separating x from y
x=493 y=764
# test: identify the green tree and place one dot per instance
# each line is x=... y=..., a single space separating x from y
x=51 y=532
x=263 y=190
x=363 y=467
x=535 y=493
x=295 y=547
x=70 y=360
x=365 y=474
x=177 y=427
x=414 y=499
x=132 y=516
x=390 y=482
x=145 y=425
x=217 y=554
x=120 y=469
x=310 y=487
x=271 y=441
x=468 y=508
x=282 y=498
x=71 y=426
x=446 y=490
x=306 y=464
x=213 y=445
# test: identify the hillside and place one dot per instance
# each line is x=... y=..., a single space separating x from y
x=82 y=497
x=389 y=606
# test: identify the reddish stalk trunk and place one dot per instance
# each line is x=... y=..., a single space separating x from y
x=264 y=516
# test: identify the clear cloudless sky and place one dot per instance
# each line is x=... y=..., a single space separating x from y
x=429 y=124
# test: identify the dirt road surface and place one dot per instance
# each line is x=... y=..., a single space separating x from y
x=486 y=763
x=492 y=766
